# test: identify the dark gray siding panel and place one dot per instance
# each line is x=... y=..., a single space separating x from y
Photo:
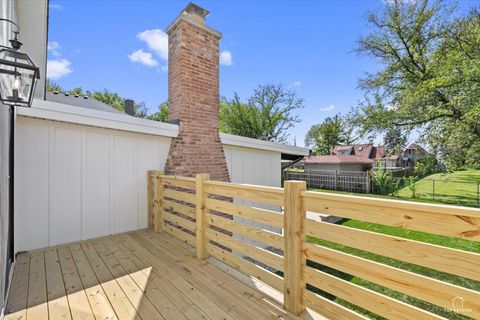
x=5 y=235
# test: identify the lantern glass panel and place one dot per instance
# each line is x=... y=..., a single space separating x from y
x=17 y=77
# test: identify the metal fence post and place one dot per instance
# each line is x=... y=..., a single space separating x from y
x=478 y=194
x=367 y=181
x=336 y=179
x=433 y=189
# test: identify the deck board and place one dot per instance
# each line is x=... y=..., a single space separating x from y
x=137 y=275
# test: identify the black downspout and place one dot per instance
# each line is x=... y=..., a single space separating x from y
x=11 y=155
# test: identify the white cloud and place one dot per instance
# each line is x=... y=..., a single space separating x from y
x=295 y=84
x=58 y=68
x=156 y=40
x=329 y=108
x=56 y=6
x=53 y=47
x=143 y=57
x=226 y=58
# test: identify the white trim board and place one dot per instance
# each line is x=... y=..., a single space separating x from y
x=65 y=113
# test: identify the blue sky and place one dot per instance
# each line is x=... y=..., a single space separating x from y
x=304 y=45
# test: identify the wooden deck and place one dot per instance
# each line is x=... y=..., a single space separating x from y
x=137 y=275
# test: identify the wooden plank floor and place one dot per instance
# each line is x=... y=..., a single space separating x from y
x=137 y=275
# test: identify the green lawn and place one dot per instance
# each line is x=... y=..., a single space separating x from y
x=459 y=188
x=419 y=236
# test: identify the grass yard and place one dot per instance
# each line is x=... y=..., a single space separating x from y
x=459 y=188
x=415 y=235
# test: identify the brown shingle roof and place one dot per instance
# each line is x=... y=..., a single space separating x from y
x=334 y=159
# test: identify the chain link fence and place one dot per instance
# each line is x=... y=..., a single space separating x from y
x=457 y=192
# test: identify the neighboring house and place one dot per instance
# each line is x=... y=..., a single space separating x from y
x=411 y=154
x=406 y=159
x=388 y=162
x=360 y=157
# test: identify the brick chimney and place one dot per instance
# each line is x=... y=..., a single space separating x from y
x=193 y=96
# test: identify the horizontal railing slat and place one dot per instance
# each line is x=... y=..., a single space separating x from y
x=272 y=239
x=178 y=181
x=329 y=308
x=249 y=250
x=246 y=267
x=178 y=207
x=365 y=298
x=178 y=195
x=264 y=216
x=179 y=234
x=179 y=221
x=261 y=194
x=421 y=287
x=457 y=262
x=449 y=221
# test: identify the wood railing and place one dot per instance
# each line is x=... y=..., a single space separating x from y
x=275 y=247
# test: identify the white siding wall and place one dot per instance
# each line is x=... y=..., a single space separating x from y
x=77 y=182
x=253 y=166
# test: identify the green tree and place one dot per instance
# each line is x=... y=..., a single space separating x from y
x=324 y=136
x=53 y=86
x=394 y=140
x=426 y=165
x=267 y=114
x=110 y=98
x=162 y=113
x=429 y=77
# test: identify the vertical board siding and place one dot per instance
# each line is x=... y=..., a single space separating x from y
x=65 y=222
x=96 y=191
x=76 y=182
x=125 y=197
x=32 y=182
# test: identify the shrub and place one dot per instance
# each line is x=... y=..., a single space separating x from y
x=411 y=184
x=384 y=182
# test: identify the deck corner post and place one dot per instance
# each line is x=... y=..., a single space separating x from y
x=154 y=199
x=294 y=216
x=201 y=216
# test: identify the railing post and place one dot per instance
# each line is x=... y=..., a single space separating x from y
x=293 y=220
x=155 y=203
x=150 y=198
x=201 y=216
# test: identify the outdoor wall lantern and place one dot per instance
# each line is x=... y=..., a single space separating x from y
x=18 y=73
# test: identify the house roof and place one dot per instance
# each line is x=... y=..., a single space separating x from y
x=80 y=101
x=417 y=147
x=367 y=150
x=362 y=150
x=336 y=159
